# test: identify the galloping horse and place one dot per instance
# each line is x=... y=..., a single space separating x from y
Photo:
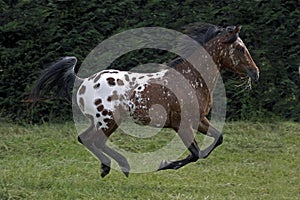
x=103 y=96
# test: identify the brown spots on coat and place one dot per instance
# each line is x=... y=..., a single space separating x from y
x=104 y=112
x=97 y=86
x=81 y=103
x=126 y=77
x=111 y=81
x=100 y=108
x=82 y=90
x=99 y=124
x=98 y=102
x=106 y=120
x=97 y=78
x=121 y=97
x=113 y=97
x=120 y=82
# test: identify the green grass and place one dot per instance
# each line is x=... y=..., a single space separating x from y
x=256 y=161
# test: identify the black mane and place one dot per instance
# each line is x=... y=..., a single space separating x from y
x=202 y=33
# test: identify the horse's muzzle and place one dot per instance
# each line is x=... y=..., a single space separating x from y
x=253 y=74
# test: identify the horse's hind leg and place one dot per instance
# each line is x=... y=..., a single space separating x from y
x=88 y=138
x=119 y=158
x=95 y=141
x=206 y=128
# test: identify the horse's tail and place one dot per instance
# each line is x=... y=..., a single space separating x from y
x=60 y=74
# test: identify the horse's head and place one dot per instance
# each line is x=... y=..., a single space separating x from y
x=232 y=53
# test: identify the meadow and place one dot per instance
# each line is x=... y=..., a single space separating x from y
x=256 y=161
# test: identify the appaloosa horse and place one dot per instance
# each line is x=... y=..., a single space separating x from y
x=103 y=96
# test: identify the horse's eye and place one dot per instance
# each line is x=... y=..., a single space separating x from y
x=241 y=50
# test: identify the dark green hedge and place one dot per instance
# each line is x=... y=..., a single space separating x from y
x=36 y=33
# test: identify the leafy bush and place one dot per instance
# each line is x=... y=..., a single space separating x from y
x=36 y=33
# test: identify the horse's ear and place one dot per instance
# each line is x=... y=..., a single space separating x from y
x=230 y=29
x=232 y=34
x=238 y=29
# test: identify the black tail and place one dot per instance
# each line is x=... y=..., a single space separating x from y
x=60 y=74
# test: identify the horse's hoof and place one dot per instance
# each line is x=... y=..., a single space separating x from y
x=163 y=165
x=104 y=170
x=203 y=154
x=126 y=174
x=103 y=174
x=126 y=171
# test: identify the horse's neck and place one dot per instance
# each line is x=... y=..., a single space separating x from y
x=203 y=66
x=214 y=51
x=199 y=71
x=215 y=67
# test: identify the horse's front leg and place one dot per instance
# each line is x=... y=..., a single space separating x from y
x=88 y=138
x=187 y=136
x=206 y=128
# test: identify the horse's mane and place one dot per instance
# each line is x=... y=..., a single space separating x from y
x=202 y=32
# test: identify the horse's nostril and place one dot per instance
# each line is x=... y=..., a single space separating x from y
x=253 y=74
x=257 y=76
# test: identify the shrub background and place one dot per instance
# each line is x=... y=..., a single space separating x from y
x=36 y=33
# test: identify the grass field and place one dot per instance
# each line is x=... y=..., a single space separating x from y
x=256 y=161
